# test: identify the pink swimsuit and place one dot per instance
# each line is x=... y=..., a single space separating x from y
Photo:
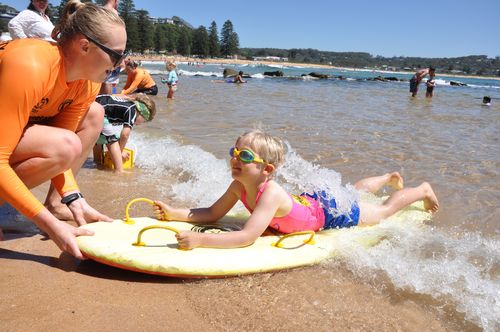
x=306 y=214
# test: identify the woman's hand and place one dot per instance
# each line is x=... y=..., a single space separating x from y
x=63 y=234
x=83 y=212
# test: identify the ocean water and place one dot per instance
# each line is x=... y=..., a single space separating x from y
x=339 y=131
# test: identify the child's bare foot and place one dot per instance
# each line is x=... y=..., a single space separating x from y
x=396 y=181
x=431 y=203
x=61 y=212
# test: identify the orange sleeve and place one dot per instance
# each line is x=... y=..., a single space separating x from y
x=133 y=80
x=22 y=79
x=70 y=119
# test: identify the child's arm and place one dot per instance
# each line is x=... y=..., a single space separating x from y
x=124 y=135
x=269 y=203
x=216 y=211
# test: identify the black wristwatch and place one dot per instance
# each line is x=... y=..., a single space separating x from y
x=71 y=198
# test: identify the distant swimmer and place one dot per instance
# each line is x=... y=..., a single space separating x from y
x=237 y=79
x=418 y=77
x=486 y=101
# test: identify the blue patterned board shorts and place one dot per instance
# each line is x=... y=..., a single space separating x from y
x=337 y=221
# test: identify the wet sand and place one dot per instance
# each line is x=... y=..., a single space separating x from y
x=43 y=289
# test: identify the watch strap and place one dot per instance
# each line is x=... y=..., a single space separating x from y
x=71 y=198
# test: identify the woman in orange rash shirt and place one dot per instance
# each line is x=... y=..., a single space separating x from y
x=138 y=80
x=46 y=130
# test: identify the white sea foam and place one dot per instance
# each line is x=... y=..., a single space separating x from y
x=462 y=271
x=200 y=73
x=259 y=75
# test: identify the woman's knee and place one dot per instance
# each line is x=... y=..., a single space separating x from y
x=94 y=118
x=69 y=149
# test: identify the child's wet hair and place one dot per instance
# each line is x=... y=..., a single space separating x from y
x=268 y=147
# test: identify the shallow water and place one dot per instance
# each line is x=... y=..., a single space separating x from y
x=344 y=131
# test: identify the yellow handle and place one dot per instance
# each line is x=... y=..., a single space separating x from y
x=310 y=240
x=142 y=244
x=127 y=216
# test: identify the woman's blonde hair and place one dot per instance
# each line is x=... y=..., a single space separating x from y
x=86 y=18
x=148 y=102
x=269 y=148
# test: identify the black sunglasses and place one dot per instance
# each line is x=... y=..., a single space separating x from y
x=115 y=56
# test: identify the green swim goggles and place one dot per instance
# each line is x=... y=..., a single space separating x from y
x=245 y=155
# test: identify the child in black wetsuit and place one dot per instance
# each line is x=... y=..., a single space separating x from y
x=121 y=114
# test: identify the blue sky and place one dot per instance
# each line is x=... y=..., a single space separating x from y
x=426 y=28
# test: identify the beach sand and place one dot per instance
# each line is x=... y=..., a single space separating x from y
x=44 y=289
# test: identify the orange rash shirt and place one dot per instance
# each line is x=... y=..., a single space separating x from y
x=139 y=78
x=33 y=90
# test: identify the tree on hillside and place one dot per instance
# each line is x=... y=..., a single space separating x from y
x=213 y=41
x=184 y=41
x=200 y=42
x=145 y=30
x=126 y=10
x=60 y=9
x=172 y=35
x=229 y=39
x=160 y=39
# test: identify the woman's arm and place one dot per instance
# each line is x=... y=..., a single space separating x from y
x=133 y=80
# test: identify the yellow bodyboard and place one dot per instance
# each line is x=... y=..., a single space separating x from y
x=116 y=244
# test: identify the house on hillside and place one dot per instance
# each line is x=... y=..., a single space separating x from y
x=7 y=13
x=270 y=58
x=160 y=20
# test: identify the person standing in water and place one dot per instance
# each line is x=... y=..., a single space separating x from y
x=171 y=80
x=418 y=77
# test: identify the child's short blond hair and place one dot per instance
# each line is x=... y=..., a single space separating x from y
x=269 y=148
x=171 y=65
